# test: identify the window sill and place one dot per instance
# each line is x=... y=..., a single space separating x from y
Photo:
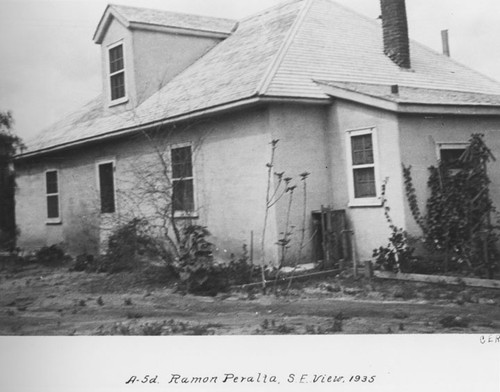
x=185 y=215
x=53 y=222
x=365 y=203
x=118 y=101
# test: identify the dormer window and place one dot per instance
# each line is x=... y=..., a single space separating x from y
x=117 y=73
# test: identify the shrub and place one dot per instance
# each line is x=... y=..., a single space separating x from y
x=88 y=263
x=51 y=255
x=397 y=255
x=125 y=244
x=196 y=267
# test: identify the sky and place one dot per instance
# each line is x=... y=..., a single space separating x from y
x=50 y=66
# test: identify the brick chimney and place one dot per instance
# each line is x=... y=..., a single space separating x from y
x=395 y=29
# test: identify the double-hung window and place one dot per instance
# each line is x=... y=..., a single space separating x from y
x=117 y=73
x=107 y=186
x=182 y=180
x=362 y=171
x=52 y=195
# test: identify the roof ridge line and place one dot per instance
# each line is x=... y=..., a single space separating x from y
x=172 y=12
x=123 y=17
x=282 y=51
x=266 y=10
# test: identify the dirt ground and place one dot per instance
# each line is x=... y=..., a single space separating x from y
x=40 y=300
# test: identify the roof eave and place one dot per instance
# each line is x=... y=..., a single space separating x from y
x=216 y=110
x=409 y=107
x=178 y=30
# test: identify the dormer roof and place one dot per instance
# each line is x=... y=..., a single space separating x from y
x=133 y=17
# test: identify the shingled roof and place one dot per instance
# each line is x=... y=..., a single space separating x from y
x=281 y=53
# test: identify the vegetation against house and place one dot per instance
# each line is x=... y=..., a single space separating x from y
x=457 y=227
x=397 y=254
x=10 y=144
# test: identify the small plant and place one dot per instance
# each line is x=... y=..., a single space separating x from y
x=239 y=270
x=454 y=322
x=134 y=315
x=285 y=239
x=269 y=203
x=272 y=328
x=153 y=329
x=397 y=255
x=303 y=178
x=100 y=302
x=127 y=302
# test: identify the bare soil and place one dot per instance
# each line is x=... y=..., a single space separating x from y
x=42 y=300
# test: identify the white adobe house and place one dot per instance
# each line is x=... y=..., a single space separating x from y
x=349 y=98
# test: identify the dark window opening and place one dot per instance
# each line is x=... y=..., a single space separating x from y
x=182 y=179
x=107 y=187
x=450 y=157
x=52 y=192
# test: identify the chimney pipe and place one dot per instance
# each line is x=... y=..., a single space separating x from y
x=395 y=30
x=446 y=42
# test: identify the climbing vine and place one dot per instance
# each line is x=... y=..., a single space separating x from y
x=457 y=222
x=398 y=254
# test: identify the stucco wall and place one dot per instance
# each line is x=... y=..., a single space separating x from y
x=161 y=56
x=419 y=135
x=229 y=163
x=302 y=132
x=369 y=224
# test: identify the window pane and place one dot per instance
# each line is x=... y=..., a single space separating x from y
x=116 y=59
x=51 y=182
x=53 y=206
x=182 y=195
x=107 y=188
x=451 y=157
x=362 y=150
x=118 y=86
x=364 y=182
x=181 y=162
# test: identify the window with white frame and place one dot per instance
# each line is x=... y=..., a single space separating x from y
x=52 y=195
x=107 y=186
x=182 y=179
x=116 y=72
x=362 y=160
